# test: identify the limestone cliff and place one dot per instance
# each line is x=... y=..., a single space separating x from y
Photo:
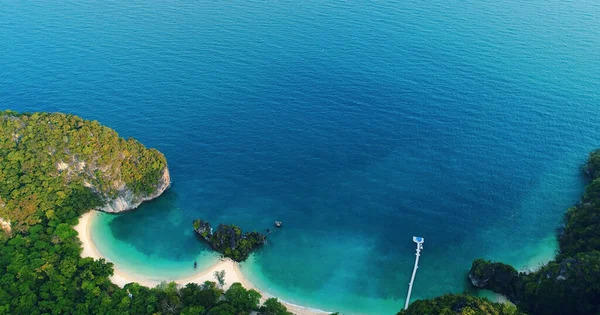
x=5 y=226
x=126 y=199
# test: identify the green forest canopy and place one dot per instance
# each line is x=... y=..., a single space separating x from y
x=48 y=160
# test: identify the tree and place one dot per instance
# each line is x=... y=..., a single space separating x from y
x=223 y=309
x=220 y=276
x=192 y=310
x=452 y=304
x=273 y=307
x=241 y=299
x=168 y=296
x=206 y=295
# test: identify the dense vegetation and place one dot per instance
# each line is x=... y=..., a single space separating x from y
x=454 y=304
x=41 y=271
x=229 y=240
x=570 y=284
x=49 y=160
x=496 y=277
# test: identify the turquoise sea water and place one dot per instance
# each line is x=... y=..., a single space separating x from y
x=357 y=123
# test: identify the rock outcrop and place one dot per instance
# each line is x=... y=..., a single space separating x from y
x=229 y=240
x=203 y=228
x=5 y=226
x=126 y=199
x=592 y=167
x=498 y=277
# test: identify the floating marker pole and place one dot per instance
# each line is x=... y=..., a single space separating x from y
x=419 y=241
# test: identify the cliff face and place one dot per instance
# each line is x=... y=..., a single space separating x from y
x=52 y=164
x=126 y=199
x=5 y=226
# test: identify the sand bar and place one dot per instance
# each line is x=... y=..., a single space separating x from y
x=232 y=270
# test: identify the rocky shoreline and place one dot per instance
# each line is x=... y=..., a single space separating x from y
x=127 y=200
x=229 y=240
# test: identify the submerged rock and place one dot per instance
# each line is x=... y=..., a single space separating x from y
x=229 y=240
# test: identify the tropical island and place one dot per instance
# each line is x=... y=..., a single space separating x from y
x=229 y=239
x=55 y=168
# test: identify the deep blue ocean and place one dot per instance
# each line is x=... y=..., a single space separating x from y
x=357 y=123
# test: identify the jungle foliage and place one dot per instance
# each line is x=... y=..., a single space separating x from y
x=456 y=304
x=49 y=160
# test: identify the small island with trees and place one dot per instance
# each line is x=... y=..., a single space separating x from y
x=229 y=240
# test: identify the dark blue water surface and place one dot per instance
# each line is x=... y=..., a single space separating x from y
x=357 y=123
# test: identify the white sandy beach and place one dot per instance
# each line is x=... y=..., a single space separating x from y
x=232 y=270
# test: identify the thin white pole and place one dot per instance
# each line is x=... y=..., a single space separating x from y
x=414 y=273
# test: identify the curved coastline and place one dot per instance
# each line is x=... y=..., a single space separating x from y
x=232 y=270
